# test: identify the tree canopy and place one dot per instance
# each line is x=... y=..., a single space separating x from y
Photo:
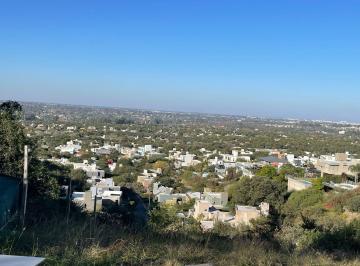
x=253 y=191
x=12 y=139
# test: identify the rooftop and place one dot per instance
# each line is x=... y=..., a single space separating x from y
x=245 y=208
x=273 y=159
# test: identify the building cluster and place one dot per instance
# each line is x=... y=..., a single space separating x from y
x=209 y=207
x=183 y=160
x=147 y=178
x=166 y=195
x=101 y=194
x=337 y=164
x=71 y=147
x=212 y=209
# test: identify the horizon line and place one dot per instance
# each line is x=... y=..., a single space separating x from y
x=187 y=112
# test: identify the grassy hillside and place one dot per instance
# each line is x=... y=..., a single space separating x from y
x=162 y=242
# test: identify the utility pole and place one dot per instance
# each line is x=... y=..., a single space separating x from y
x=25 y=187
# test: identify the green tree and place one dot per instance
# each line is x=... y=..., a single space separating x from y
x=355 y=169
x=354 y=204
x=267 y=171
x=318 y=183
x=42 y=183
x=289 y=169
x=262 y=227
x=78 y=177
x=121 y=180
x=12 y=139
x=301 y=202
x=161 y=164
x=253 y=191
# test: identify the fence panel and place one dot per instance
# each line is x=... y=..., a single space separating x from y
x=9 y=198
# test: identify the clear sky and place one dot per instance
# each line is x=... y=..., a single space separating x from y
x=291 y=59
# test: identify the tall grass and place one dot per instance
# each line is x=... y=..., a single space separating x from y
x=82 y=243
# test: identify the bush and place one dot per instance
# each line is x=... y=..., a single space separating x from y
x=302 y=201
x=354 y=204
x=253 y=191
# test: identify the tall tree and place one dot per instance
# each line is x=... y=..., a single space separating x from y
x=12 y=139
x=253 y=191
x=42 y=184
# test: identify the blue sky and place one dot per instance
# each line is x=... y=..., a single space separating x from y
x=291 y=59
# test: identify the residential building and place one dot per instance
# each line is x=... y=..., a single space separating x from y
x=274 y=161
x=106 y=195
x=91 y=170
x=338 y=164
x=244 y=214
x=217 y=199
x=148 y=177
x=183 y=160
x=71 y=147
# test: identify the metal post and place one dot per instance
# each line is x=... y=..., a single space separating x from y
x=149 y=192
x=69 y=201
x=25 y=187
x=95 y=198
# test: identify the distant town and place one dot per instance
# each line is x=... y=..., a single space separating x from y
x=159 y=159
x=183 y=173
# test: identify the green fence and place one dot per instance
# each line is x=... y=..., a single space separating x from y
x=9 y=198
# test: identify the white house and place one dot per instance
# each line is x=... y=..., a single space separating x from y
x=70 y=147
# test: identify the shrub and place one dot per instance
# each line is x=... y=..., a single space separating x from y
x=354 y=204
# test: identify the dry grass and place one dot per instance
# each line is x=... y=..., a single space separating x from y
x=115 y=245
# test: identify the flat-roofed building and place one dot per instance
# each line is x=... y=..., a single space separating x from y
x=336 y=165
x=244 y=214
x=298 y=184
x=217 y=199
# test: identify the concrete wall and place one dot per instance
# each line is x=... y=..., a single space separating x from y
x=244 y=216
x=297 y=185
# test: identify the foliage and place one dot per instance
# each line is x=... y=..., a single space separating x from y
x=124 y=121
x=253 y=191
x=302 y=201
x=318 y=183
x=79 y=178
x=340 y=201
x=171 y=243
x=162 y=217
x=354 y=204
x=12 y=138
x=262 y=227
x=12 y=109
x=291 y=170
x=161 y=164
x=267 y=171
x=42 y=183
x=355 y=169
x=121 y=180
x=333 y=178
